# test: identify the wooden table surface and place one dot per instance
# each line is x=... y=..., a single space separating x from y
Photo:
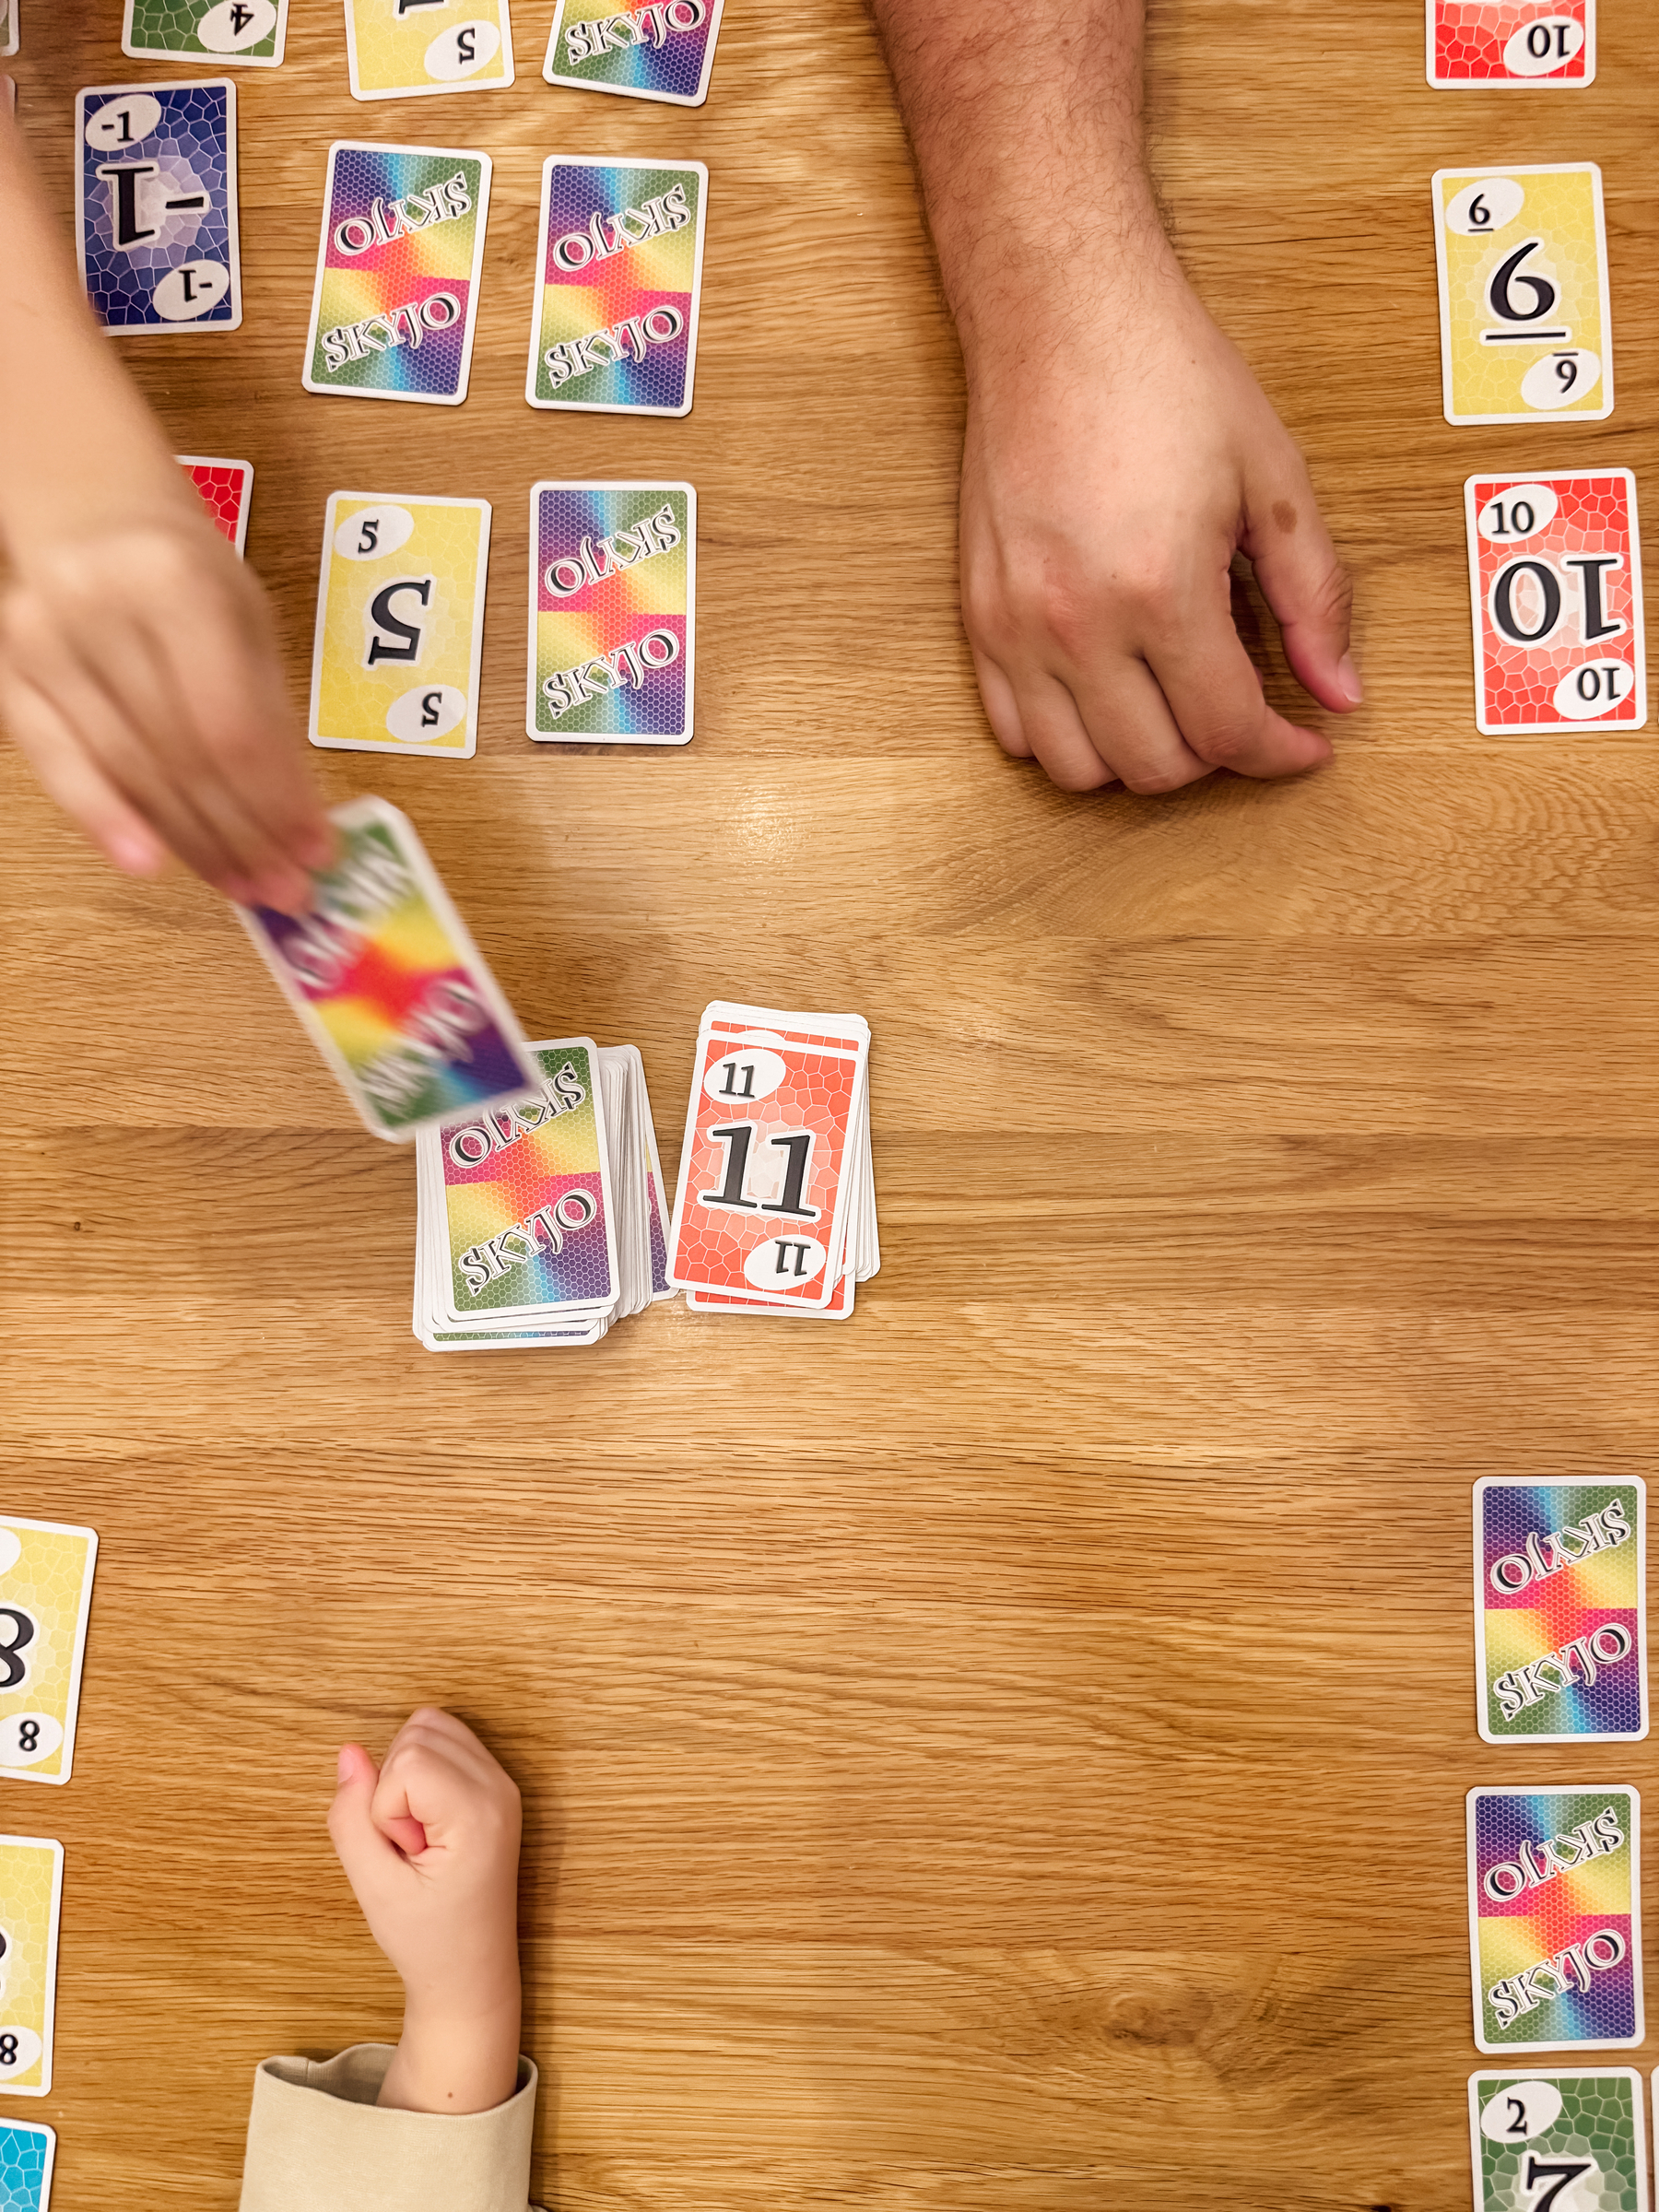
x=1006 y=1754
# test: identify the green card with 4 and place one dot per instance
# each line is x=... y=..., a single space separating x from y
x=250 y=31
x=1558 y=2142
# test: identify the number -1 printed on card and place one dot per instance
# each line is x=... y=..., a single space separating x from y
x=1558 y=2142
x=45 y=1592
x=1522 y=261
x=250 y=32
x=31 y=1886
x=1555 y=582
x=400 y=625
x=1491 y=42
x=156 y=205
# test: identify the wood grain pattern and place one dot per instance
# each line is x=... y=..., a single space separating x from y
x=1006 y=1755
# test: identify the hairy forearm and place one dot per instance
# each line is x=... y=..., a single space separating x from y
x=1026 y=123
x=80 y=451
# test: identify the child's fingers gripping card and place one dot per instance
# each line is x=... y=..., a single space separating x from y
x=1561 y=1572
x=155 y=219
x=402 y=49
x=1558 y=2142
x=31 y=1884
x=400 y=625
x=619 y=276
x=383 y=974
x=396 y=298
x=27 y=2152
x=1555 y=585
x=1491 y=42
x=661 y=52
x=46 y=1594
x=1522 y=265
x=611 y=609
x=1554 y=1917
x=248 y=32
x=227 y=490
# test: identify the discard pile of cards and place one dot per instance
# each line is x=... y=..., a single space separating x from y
x=775 y=1211
x=541 y=1220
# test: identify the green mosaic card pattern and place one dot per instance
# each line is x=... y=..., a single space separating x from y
x=219 y=30
x=1577 y=2135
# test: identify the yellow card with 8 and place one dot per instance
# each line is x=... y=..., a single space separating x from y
x=45 y=1589
x=400 y=625
x=31 y=1886
x=1524 y=328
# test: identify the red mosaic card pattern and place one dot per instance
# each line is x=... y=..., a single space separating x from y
x=715 y=1241
x=224 y=489
x=1519 y=685
x=1471 y=39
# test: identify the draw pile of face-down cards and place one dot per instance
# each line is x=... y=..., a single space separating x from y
x=1554 y=1863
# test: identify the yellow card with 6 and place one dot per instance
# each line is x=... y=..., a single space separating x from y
x=45 y=1591
x=400 y=625
x=31 y=1889
x=1524 y=325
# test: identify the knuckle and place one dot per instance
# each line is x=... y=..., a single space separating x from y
x=1151 y=782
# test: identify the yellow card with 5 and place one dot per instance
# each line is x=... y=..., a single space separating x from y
x=401 y=49
x=31 y=1889
x=1525 y=327
x=45 y=1592
x=400 y=625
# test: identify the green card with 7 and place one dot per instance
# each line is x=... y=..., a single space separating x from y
x=1558 y=2142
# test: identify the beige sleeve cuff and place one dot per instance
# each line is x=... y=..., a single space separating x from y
x=317 y=2142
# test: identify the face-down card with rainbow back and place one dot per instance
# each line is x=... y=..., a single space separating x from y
x=31 y=1886
x=156 y=205
x=1554 y=1917
x=400 y=625
x=386 y=978
x=1570 y=2142
x=396 y=297
x=661 y=52
x=619 y=266
x=612 y=582
x=1560 y=1607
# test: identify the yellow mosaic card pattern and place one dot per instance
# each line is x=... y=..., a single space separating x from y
x=400 y=625
x=45 y=1589
x=31 y=1877
x=449 y=46
x=1523 y=257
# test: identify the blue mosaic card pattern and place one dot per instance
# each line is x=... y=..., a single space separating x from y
x=26 y=2154
x=157 y=206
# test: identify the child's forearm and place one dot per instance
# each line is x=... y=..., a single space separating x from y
x=446 y=2065
x=80 y=451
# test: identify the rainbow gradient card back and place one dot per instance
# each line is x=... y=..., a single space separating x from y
x=1560 y=1610
x=618 y=266
x=396 y=298
x=400 y=625
x=526 y=1191
x=612 y=585
x=31 y=1890
x=388 y=982
x=405 y=49
x=661 y=52
x=251 y=33
x=1554 y=1917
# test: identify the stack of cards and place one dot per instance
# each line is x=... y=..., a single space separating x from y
x=1558 y=2142
x=400 y=625
x=1523 y=262
x=226 y=488
x=384 y=977
x=1555 y=582
x=249 y=32
x=612 y=580
x=619 y=275
x=775 y=1212
x=396 y=297
x=156 y=226
x=661 y=52
x=1495 y=42
x=541 y=1222
x=395 y=51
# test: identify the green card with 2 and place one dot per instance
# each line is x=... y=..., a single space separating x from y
x=1558 y=2142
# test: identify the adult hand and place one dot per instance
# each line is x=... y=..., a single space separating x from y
x=139 y=673
x=429 y=1843
x=1114 y=464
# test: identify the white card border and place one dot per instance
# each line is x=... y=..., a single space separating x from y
x=1509 y=83
x=232 y=214
x=9 y=43
x=671 y=99
x=233 y=61
x=460 y=84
